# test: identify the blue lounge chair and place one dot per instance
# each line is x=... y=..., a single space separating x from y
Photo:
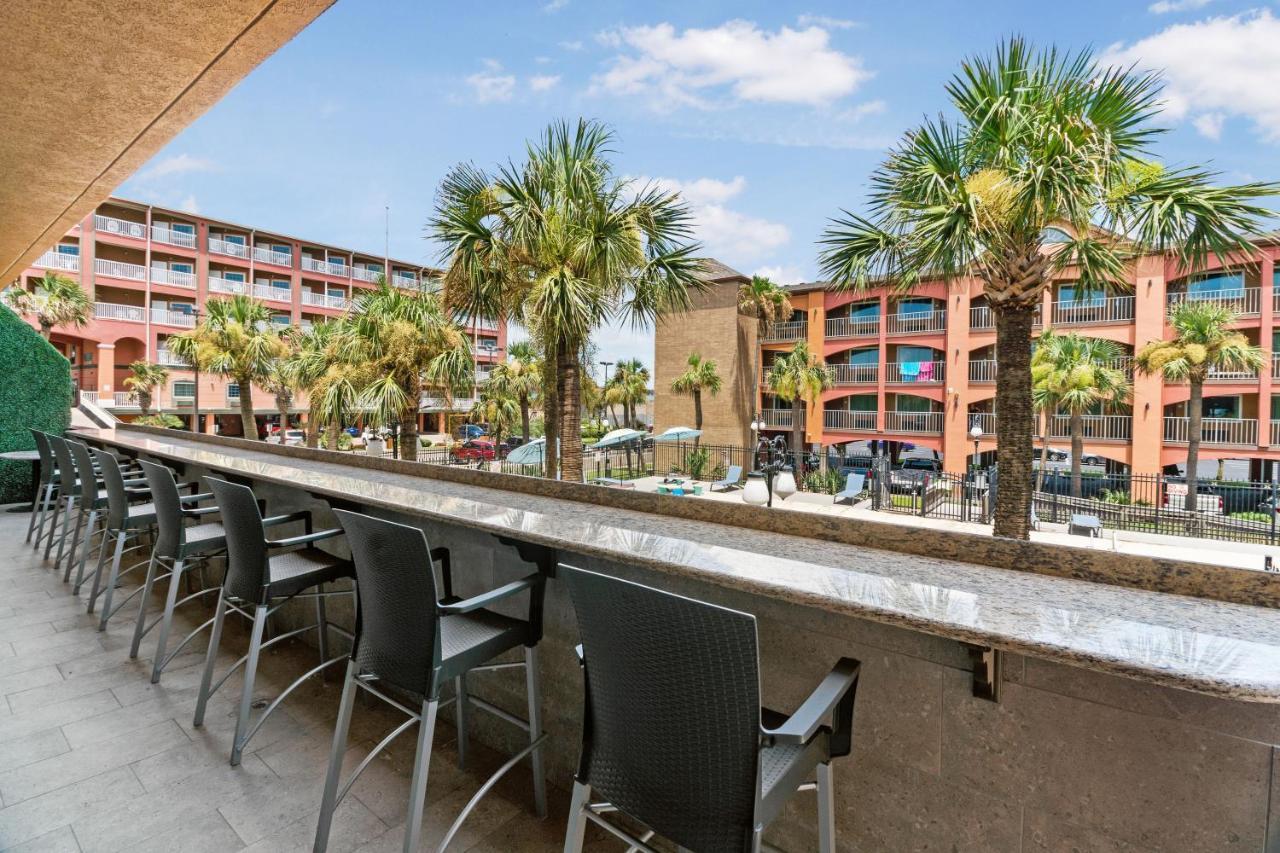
x=853 y=486
x=730 y=481
x=1083 y=524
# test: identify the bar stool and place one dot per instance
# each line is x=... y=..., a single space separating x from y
x=129 y=515
x=68 y=491
x=89 y=506
x=180 y=547
x=46 y=489
x=410 y=643
x=673 y=733
x=257 y=584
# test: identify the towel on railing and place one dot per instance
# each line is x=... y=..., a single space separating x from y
x=909 y=370
x=926 y=371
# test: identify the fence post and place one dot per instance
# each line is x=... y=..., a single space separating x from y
x=1055 y=495
x=924 y=490
x=1275 y=472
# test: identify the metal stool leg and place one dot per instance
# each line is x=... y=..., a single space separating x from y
x=577 y=830
x=826 y=811
x=166 y=620
x=210 y=658
x=418 y=785
x=109 y=592
x=147 y=586
x=322 y=630
x=55 y=513
x=461 y=711
x=250 y=676
x=45 y=499
x=70 y=504
x=103 y=550
x=533 y=684
x=35 y=511
x=75 y=546
x=329 y=802
x=85 y=548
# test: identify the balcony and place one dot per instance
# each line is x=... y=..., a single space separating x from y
x=232 y=249
x=52 y=260
x=981 y=318
x=125 y=313
x=1085 y=312
x=1227 y=432
x=173 y=318
x=918 y=323
x=1275 y=433
x=848 y=421
x=928 y=423
x=793 y=330
x=119 y=269
x=1243 y=301
x=364 y=274
x=986 y=421
x=483 y=324
x=272 y=294
x=401 y=279
x=171 y=237
x=430 y=402
x=915 y=372
x=780 y=418
x=982 y=371
x=1275 y=365
x=122 y=227
x=326 y=267
x=851 y=327
x=218 y=284
x=323 y=300
x=173 y=278
x=267 y=255
x=855 y=374
x=1094 y=427
x=168 y=359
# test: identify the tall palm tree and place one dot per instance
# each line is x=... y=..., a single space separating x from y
x=769 y=304
x=564 y=246
x=282 y=383
x=1074 y=374
x=497 y=409
x=314 y=366
x=144 y=379
x=628 y=388
x=1203 y=340
x=1043 y=139
x=236 y=339
x=701 y=376
x=519 y=379
x=56 y=301
x=799 y=377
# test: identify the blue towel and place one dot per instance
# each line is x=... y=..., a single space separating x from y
x=909 y=369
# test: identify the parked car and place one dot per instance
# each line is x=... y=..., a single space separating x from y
x=474 y=450
x=510 y=443
x=469 y=431
x=291 y=436
x=921 y=464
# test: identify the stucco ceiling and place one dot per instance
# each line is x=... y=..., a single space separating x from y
x=89 y=89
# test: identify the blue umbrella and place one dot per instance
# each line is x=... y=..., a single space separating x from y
x=678 y=434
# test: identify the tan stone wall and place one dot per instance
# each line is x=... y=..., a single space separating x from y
x=716 y=330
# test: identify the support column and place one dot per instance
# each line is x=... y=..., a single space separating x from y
x=106 y=369
x=1266 y=324
x=882 y=350
x=1148 y=391
x=955 y=423
x=815 y=334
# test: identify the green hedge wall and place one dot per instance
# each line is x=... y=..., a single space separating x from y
x=35 y=391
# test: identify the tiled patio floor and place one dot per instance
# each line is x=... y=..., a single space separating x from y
x=94 y=757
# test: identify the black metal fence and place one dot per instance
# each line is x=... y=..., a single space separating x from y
x=930 y=494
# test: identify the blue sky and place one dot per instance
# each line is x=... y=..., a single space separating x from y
x=768 y=116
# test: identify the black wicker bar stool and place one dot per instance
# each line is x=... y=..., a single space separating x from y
x=410 y=644
x=262 y=576
x=673 y=734
x=47 y=487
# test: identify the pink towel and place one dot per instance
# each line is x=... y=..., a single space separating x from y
x=926 y=371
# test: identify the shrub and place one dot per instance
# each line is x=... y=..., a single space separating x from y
x=696 y=462
x=827 y=482
x=344 y=440
x=164 y=421
x=35 y=394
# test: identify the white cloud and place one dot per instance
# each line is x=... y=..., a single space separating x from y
x=189 y=205
x=725 y=234
x=781 y=273
x=1215 y=69
x=860 y=111
x=1164 y=7
x=554 y=6
x=492 y=84
x=179 y=164
x=543 y=82
x=698 y=67
x=571 y=45
x=827 y=23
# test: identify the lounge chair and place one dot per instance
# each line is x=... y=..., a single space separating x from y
x=853 y=486
x=1085 y=525
x=730 y=480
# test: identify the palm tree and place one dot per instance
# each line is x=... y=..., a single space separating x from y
x=145 y=378
x=701 y=376
x=314 y=366
x=769 y=304
x=520 y=378
x=499 y=410
x=56 y=301
x=237 y=339
x=628 y=388
x=282 y=383
x=563 y=246
x=1074 y=374
x=1203 y=340
x=1043 y=140
x=798 y=377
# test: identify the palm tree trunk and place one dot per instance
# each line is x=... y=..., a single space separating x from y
x=551 y=417
x=46 y=331
x=313 y=433
x=408 y=447
x=1044 y=450
x=570 y=417
x=282 y=408
x=248 y=423
x=1195 y=427
x=524 y=417
x=1077 y=450
x=1016 y=423
x=797 y=428
x=697 y=417
x=332 y=438
x=144 y=402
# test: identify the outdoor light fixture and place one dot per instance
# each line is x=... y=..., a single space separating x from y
x=774 y=470
x=785 y=484
x=975 y=432
x=756 y=492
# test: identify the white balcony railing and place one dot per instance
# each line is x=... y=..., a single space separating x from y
x=920 y=422
x=172 y=237
x=315 y=265
x=169 y=359
x=855 y=374
x=226 y=247
x=1241 y=432
x=324 y=300
x=792 y=330
x=112 y=311
x=1085 y=312
x=915 y=372
x=982 y=370
x=52 y=260
x=1244 y=301
x=119 y=269
x=922 y=322
x=853 y=327
x=123 y=400
x=1275 y=432
x=1275 y=365
x=981 y=317
x=266 y=291
x=986 y=421
x=845 y=420
x=1094 y=427
x=267 y=255
x=173 y=278
x=218 y=284
x=401 y=279
x=1219 y=375
x=123 y=227
x=365 y=274
x=779 y=418
x=173 y=318
x=483 y=324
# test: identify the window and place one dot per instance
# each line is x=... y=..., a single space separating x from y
x=489 y=343
x=233 y=390
x=336 y=292
x=280 y=319
x=1221 y=407
x=1076 y=296
x=238 y=239
x=864 y=356
x=915 y=354
x=908 y=403
x=1054 y=235
x=915 y=306
x=181 y=266
x=862 y=403
x=68 y=248
x=182 y=308
x=184 y=388
x=1218 y=284
x=232 y=275
x=182 y=228
x=865 y=311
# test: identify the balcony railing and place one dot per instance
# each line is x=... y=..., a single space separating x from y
x=119 y=269
x=1222 y=431
x=1244 y=301
x=458 y=404
x=982 y=317
x=112 y=311
x=1219 y=375
x=173 y=278
x=58 y=261
x=267 y=255
x=123 y=400
x=982 y=370
x=169 y=359
x=1094 y=427
x=324 y=300
x=483 y=324
x=921 y=422
x=266 y=291
x=123 y=227
x=923 y=322
x=915 y=372
x=173 y=318
x=404 y=280
x=792 y=330
x=218 y=284
x=1112 y=309
x=843 y=419
x=779 y=418
x=855 y=374
x=1124 y=364
x=365 y=274
x=1275 y=433
x=225 y=247
x=986 y=421
x=185 y=239
x=1275 y=365
x=853 y=327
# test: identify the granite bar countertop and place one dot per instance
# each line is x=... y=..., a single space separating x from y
x=1211 y=647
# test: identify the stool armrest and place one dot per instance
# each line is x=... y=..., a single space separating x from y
x=304 y=539
x=484 y=599
x=186 y=499
x=199 y=511
x=441 y=555
x=829 y=697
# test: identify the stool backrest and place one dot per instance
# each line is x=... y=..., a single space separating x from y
x=246 y=540
x=671 y=733
x=84 y=466
x=168 y=504
x=47 y=463
x=117 y=497
x=66 y=465
x=397 y=629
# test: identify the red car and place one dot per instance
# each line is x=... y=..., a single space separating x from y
x=475 y=449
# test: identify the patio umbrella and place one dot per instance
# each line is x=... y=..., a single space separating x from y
x=533 y=453
x=617 y=437
x=678 y=434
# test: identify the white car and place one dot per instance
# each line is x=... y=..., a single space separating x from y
x=291 y=436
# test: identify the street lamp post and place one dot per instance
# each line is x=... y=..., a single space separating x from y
x=975 y=432
x=772 y=476
x=606 y=365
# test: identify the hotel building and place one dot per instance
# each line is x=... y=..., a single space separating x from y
x=150 y=270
